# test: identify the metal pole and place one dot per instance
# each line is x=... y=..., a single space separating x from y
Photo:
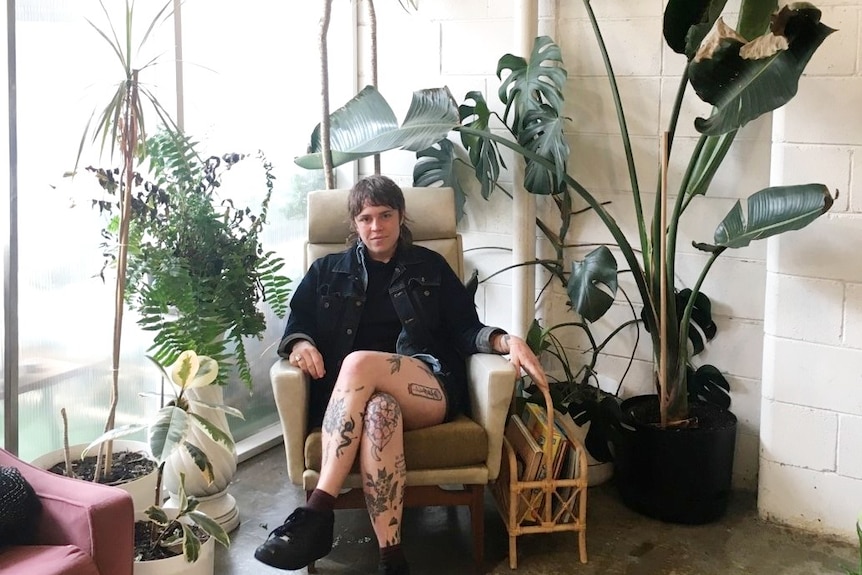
x=178 y=56
x=10 y=252
x=524 y=204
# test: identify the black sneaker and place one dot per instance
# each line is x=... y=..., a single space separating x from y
x=305 y=536
x=386 y=569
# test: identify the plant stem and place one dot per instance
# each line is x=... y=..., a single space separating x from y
x=624 y=132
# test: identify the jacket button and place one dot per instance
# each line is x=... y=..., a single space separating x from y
x=349 y=331
x=427 y=293
x=326 y=304
x=358 y=303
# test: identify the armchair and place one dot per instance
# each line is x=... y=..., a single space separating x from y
x=447 y=464
x=84 y=528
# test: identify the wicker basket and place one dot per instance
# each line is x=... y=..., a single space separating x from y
x=544 y=506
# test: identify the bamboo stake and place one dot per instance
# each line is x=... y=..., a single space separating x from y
x=662 y=269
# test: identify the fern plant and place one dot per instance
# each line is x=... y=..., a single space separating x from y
x=197 y=270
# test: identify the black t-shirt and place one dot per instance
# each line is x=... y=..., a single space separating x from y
x=379 y=325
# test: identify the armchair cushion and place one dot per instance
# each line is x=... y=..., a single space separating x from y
x=19 y=508
x=84 y=528
x=459 y=443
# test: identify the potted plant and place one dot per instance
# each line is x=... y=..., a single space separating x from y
x=197 y=274
x=179 y=540
x=743 y=80
x=189 y=437
x=118 y=125
x=197 y=270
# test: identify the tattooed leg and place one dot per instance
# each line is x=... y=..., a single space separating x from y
x=393 y=391
x=381 y=460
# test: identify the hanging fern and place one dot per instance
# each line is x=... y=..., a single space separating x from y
x=197 y=271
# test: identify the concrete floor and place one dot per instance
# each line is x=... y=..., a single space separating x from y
x=619 y=542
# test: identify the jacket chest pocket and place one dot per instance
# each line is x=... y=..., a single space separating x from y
x=425 y=295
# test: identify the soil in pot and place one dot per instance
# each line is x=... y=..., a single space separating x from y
x=125 y=466
x=144 y=537
x=680 y=475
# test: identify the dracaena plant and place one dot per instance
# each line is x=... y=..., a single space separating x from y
x=170 y=426
x=742 y=74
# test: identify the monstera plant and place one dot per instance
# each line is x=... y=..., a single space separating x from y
x=742 y=73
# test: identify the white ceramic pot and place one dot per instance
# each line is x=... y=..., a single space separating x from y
x=205 y=565
x=142 y=489
x=215 y=500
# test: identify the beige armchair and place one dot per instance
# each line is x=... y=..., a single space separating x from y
x=463 y=455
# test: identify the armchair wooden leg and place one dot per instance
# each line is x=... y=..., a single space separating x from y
x=477 y=522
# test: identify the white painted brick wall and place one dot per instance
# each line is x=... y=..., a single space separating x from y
x=811 y=360
x=786 y=431
x=812 y=366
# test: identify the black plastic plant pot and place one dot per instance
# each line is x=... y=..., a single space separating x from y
x=680 y=475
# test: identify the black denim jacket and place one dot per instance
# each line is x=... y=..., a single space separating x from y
x=438 y=317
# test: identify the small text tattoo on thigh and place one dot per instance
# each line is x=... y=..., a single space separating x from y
x=420 y=390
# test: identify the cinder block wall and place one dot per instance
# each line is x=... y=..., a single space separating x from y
x=811 y=296
x=811 y=430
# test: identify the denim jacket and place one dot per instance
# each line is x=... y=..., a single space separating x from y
x=438 y=317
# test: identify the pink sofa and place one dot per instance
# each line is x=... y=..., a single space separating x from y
x=85 y=528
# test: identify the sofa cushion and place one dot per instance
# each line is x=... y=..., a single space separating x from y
x=19 y=508
x=46 y=560
x=459 y=443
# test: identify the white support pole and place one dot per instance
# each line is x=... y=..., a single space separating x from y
x=526 y=28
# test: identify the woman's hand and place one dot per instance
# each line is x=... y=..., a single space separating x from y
x=521 y=356
x=306 y=357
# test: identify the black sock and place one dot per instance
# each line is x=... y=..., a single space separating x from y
x=321 y=501
x=392 y=555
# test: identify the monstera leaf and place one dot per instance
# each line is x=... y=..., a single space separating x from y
x=599 y=267
x=366 y=126
x=484 y=156
x=436 y=165
x=533 y=95
x=744 y=80
x=771 y=211
x=529 y=84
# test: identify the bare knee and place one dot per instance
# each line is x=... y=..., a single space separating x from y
x=356 y=364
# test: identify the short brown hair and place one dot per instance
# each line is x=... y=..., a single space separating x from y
x=378 y=191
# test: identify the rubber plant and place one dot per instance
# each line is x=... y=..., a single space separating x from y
x=167 y=432
x=743 y=74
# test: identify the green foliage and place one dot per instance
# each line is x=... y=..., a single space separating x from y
x=169 y=428
x=783 y=42
x=197 y=270
x=177 y=530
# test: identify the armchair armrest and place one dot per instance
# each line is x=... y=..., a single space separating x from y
x=98 y=519
x=491 y=382
x=290 y=390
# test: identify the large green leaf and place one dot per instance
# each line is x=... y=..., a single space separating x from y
x=529 y=84
x=366 y=126
x=772 y=211
x=436 y=165
x=681 y=15
x=745 y=80
x=167 y=431
x=542 y=133
x=599 y=267
x=483 y=154
x=533 y=94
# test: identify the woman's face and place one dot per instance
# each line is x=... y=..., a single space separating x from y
x=379 y=228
